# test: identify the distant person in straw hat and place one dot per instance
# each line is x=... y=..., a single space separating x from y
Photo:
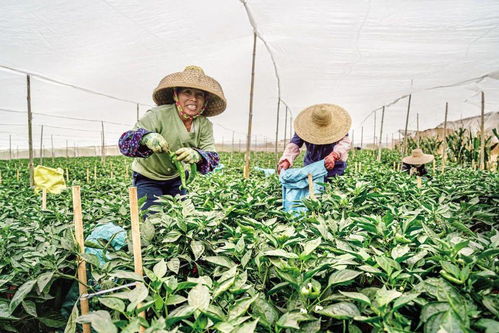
x=323 y=128
x=178 y=124
x=415 y=163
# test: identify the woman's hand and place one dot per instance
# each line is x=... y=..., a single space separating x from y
x=188 y=155
x=155 y=142
x=283 y=165
x=330 y=160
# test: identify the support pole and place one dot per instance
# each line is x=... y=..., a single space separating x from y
x=137 y=111
x=44 y=199
x=82 y=271
x=482 y=134
x=52 y=144
x=30 y=132
x=246 y=170
x=277 y=132
x=406 y=124
x=41 y=147
x=311 y=189
x=362 y=137
x=10 y=146
x=381 y=133
x=67 y=149
x=103 y=152
x=137 y=252
x=417 y=130
x=374 y=130
x=444 y=141
x=290 y=125
x=285 y=128
x=232 y=147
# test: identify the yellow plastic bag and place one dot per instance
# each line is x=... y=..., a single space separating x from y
x=49 y=179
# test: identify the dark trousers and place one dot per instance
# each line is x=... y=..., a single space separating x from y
x=151 y=189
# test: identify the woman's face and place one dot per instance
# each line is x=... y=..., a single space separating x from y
x=191 y=100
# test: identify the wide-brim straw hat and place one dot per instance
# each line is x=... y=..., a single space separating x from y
x=322 y=124
x=192 y=77
x=418 y=157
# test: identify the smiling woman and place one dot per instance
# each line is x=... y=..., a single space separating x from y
x=177 y=131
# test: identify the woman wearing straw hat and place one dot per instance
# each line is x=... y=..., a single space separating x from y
x=323 y=128
x=415 y=163
x=178 y=124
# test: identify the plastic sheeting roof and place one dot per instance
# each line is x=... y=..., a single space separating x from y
x=357 y=54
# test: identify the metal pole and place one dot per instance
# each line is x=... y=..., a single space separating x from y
x=137 y=111
x=444 y=141
x=277 y=132
x=417 y=129
x=30 y=132
x=67 y=149
x=482 y=134
x=10 y=146
x=407 y=124
x=246 y=170
x=374 y=131
x=232 y=149
x=381 y=133
x=362 y=137
x=41 y=147
x=290 y=125
x=103 y=152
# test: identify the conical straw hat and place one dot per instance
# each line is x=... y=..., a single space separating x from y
x=418 y=157
x=322 y=124
x=192 y=77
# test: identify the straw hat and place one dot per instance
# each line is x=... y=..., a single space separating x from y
x=322 y=124
x=418 y=157
x=192 y=77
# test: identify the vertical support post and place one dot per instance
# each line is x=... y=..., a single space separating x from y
x=407 y=124
x=374 y=130
x=30 y=131
x=41 y=147
x=137 y=252
x=246 y=170
x=10 y=146
x=67 y=149
x=290 y=125
x=417 y=130
x=52 y=144
x=482 y=134
x=277 y=133
x=444 y=141
x=137 y=111
x=311 y=189
x=74 y=149
x=82 y=271
x=232 y=147
x=381 y=133
x=44 y=199
x=103 y=152
x=362 y=137
x=285 y=128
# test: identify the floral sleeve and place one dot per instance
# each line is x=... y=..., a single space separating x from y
x=209 y=161
x=130 y=146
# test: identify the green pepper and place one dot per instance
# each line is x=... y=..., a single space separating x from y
x=192 y=173
x=180 y=168
x=450 y=277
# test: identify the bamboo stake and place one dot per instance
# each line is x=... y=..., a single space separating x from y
x=417 y=130
x=246 y=171
x=277 y=133
x=482 y=134
x=88 y=175
x=311 y=190
x=44 y=199
x=67 y=175
x=52 y=144
x=407 y=124
x=137 y=111
x=137 y=252
x=82 y=271
x=418 y=181
x=381 y=133
x=444 y=142
x=95 y=172
x=374 y=129
x=362 y=137
x=285 y=128
x=17 y=174
x=103 y=156
x=30 y=132
x=10 y=146
x=434 y=166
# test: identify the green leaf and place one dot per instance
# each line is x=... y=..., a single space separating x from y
x=384 y=296
x=265 y=311
x=432 y=309
x=100 y=320
x=30 y=308
x=280 y=253
x=160 y=269
x=127 y=276
x=341 y=310
x=224 y=286
x=43 y=280
x=310 y=246
x=137 y=295
x=444 y=322
x=180 y=313
x=175 y=299
x=404 y=299
x=174 y=265
x=20 y=294
x=399 y=251
x=71 y=323
x=343 y=277
x=292 y=319
x=199 y=297
x=197 y=248
x=247 y=327
x=357 y=296
x=240 y=307
x=113 y=303
x=221 y=261
x=490 y=326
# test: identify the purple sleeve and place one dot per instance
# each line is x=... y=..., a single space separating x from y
x=209 y=161
x=297 y=140
x=130 y=146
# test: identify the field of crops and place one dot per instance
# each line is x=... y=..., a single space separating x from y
x=375 y=253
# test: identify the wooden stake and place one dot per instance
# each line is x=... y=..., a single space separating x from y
x=41 y=147
x=407 y=124
x=30 y=132
x=419 y=183
x=311 y=190
x=137 y=252
x=285 y=128
x=434 y=166
x=95 y=172
x=67 y=175
x=246 y=171
x=362 y=137
x=103 y=152
x=17 y=174
x=482 y=134
x=44 y=199
x=88 y=175
x=277 y=133
x=417 y=130
x=52 y=143
x=381 y=133
x=82 y=270
x=10 y=146
x=444 y=141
